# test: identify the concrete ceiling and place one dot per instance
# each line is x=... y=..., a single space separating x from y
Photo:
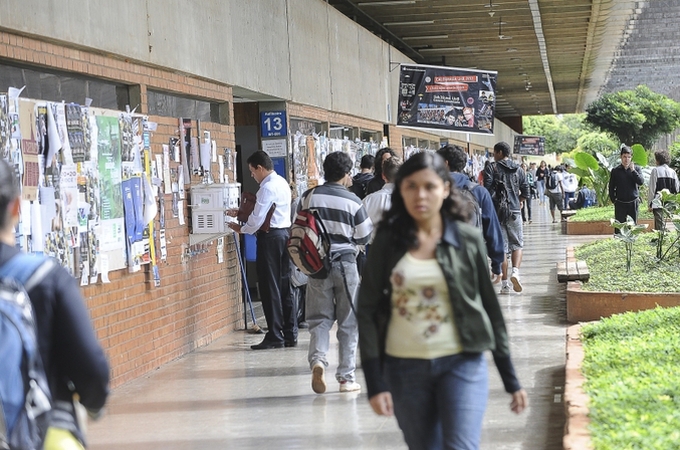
x=552 y=56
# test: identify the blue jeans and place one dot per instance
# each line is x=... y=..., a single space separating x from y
x=439 y=403
x=327 y=302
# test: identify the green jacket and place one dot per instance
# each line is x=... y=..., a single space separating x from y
x=462 y=256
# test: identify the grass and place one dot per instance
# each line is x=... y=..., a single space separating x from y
x=604 y=213
x=630 y=364
x=606 y=260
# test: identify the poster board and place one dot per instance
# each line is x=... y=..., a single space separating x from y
x=446 y=98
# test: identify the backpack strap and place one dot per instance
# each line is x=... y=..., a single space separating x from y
x=27 y=268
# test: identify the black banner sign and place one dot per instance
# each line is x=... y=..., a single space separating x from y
x=447 y=98
x=529 y=145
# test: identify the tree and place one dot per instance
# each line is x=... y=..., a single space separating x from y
x=595 y=142
x=561 y=132
x=638 y=116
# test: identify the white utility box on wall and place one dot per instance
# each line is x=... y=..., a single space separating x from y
x=208 y=205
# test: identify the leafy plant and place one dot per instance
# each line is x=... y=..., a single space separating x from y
x=628 y=233
x=628 y=364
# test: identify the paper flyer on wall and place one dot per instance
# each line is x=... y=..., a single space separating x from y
x=112 y=223
x=447 y=98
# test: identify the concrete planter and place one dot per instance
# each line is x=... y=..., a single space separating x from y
x=584 y=306
x=576 y=434
x=590 y=228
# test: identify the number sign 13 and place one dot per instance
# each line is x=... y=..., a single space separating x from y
x=273 y=123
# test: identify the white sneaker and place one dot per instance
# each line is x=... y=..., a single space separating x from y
x=514 y=279
x=349 y=386
x=505 y=288
x=318 y=378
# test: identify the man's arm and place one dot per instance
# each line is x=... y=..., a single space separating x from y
x=651 y=192
x=491 y=228
x=78 y=355
x=612 y=186
x=488 y=176
x=637 y=176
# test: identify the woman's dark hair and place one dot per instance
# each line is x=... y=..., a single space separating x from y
x=260 y=158
x=397 y=219
x=336 y=166
x=9 y=190
x=377 y=165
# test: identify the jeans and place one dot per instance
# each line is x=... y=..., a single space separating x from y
x=327 y=302
x=541 y=190
x=439 y=403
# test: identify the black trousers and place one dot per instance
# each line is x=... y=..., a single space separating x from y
x=622 y=210
x=273 y=273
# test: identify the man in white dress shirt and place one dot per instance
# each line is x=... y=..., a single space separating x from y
x=272 y=264
x=380 y=201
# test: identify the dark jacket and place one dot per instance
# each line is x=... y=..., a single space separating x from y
x=68 y=346
x=513 y=177
x=623 y=184
x=490 y=225
x=360 y=184
x=375 y=185
x=476 y=310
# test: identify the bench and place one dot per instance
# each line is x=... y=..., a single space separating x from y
x=572 y=269
x=567 y=213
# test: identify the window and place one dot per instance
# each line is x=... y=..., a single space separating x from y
x=171 y=105
x=54 y=86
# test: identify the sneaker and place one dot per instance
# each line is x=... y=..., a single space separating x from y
x=318 y=378
x=514 y=279
x=505 y=288
x=349 y=386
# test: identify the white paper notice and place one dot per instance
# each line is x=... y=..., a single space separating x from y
x=205 y=155
x=164 y=246
x=275 y=148
x=166 y=169
x=214 y=151
x=159 y=167
x=104 y=267
x=38 y=237
x=180 y=208
x=26 y=215
x=220 y=162
x=181 y=182
x=53 y=139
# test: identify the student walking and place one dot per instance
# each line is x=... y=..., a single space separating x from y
x=332 y=298
x=428 y=311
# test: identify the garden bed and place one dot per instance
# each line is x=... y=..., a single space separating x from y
x=585 y=306
x=619 y=389
x=591 y=221
x=596 y=227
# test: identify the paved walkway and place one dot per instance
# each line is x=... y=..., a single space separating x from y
x=226 y=396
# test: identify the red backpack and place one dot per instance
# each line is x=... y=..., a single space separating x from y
x=309 y=245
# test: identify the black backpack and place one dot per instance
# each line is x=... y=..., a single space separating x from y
x=500 y=197
x=466 y=192
x=551 y=180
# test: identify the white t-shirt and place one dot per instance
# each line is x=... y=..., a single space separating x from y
x=570 y=183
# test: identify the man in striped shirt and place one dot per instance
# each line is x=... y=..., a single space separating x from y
x=333 y=298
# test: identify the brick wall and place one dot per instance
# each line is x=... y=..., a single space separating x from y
x=142 y=326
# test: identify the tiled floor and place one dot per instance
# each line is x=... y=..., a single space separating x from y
x=226 y=396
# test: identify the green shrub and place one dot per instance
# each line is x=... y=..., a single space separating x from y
x=606 y=260
x=631 y=363
x=604 y=213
